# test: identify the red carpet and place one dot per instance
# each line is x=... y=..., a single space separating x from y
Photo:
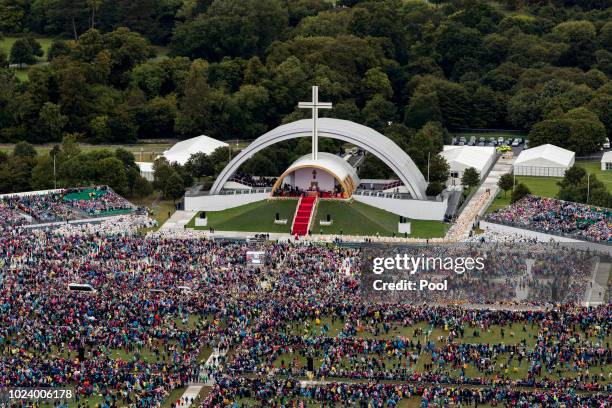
x=302 y=216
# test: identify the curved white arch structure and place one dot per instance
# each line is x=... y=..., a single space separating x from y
x=364 y=137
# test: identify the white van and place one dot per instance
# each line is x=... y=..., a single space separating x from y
x=81 y=287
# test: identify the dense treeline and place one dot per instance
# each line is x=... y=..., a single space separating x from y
x=238 y=68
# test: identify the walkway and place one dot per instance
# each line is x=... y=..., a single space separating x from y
x=596 y=292
x=190 y=395
x=480 y=201
x=178 y=220
x=194 y=389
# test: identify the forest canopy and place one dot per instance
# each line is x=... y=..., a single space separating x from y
x=237 y=68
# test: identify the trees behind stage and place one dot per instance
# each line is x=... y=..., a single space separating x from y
x=236 y=70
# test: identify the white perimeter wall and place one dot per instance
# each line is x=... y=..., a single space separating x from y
x=415 y=209
x=221 y=202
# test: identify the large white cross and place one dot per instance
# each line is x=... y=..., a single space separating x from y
x=315 y=105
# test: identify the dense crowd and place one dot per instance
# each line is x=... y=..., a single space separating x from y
x=279 y=393
x=162 y=302
x=251 y=181
x=557 y=217
x=57 y=206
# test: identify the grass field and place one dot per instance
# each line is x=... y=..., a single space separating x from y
x=547 y=186
x=349 y=218
x=45 y=42
x=354 y=218
x=254 y=217
x=159 y=208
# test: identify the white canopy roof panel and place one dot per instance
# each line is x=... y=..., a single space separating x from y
x=182 y=151
x=546 y=155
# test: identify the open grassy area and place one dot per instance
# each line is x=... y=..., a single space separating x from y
x=45 y=42
x=547 y=186
x=160 y=209
x=355 y=218
x=351 y=218
x=254 y=217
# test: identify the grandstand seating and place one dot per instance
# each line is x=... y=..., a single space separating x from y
x=303 y=215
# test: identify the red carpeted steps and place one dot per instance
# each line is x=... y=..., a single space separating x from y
x=302 y=215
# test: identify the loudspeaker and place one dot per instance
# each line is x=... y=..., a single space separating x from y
x=203 y=214
x=310 y=364
x=328 y=217
x=81 y=353
x=277 y=216
x=401 y=219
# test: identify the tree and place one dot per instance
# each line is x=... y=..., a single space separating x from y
x=24 y=150
x=426 y=142
x=51 y=123
x=505 y=182
x=434 y=188
x=3 y=59
x=578 y=186
x=578 y=130
x=439 y=168
x=57 y=49
x=520 y=191
x=25 y=51
x=200 y=165
x=235 y=28
x=376 y=82
x=176 y=187
x=470 y=177
x=422 y=108
x=378 y=112
x=111 y=172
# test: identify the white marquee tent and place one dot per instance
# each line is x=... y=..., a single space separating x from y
x=460 y=158
x=606 y=160
x=544 y=161
x=182 y=151
x=146 y=170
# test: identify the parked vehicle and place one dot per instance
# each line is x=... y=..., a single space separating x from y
x=492 y=140
x=481 y=143
x=500 y=140
x=515 y=143
x=482 y=139
x=606 y=144
x=454 y=141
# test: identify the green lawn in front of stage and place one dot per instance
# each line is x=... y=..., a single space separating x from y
x=355 y=218
x=254 y=217
x=349 y=218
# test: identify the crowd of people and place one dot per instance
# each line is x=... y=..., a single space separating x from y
x=55 y=206
x=251 y=181
x=277 y=393
x=163 y=301
x=558 y=217
x=99 y=201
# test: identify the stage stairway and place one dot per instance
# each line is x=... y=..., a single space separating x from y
x=303 y=214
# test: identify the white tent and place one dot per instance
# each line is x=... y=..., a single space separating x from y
x=182 y=151
x=606 y=160
x=544 y=161
x=460 y=158
x=146 y=170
